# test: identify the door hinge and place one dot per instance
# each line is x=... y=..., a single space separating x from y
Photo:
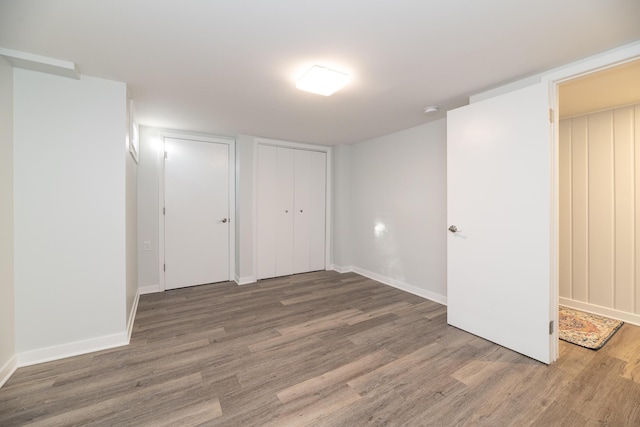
x=550 y=115
x=164 y=211
x=551 y=327
x=164 y=267
x=166 y=154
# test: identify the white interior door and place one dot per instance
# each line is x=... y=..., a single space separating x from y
x=317 y=210
x=301 y=225
x=499 y=184
x=284 y=216
x=196 y=190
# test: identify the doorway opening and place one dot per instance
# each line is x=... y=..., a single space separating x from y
x=598 y=146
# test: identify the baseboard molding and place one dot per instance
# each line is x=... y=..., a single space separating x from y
x=634 y=319
x=151 y=289
x=8 y=369
x=245 y=280
x=132 y=316
x=76 y=348
x=341 y=269
x=432 y=296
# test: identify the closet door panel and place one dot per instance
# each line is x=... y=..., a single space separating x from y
x=317 y=210
x=301 y=230
x=267 y=211
x=284 y=215
x=601 y=209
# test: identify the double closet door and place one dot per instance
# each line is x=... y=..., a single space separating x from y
x=291 y=211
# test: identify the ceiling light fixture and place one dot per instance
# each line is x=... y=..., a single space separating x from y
x=322 y=80
x=431 y=109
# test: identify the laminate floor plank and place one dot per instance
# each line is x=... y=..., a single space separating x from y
x=320 y=349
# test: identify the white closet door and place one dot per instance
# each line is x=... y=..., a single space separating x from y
x=197 y=213
x=268 y=210
x=301 y=225
x=317 y=210
x=284 y=215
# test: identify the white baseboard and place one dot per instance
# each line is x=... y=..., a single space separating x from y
x=245 y=280
x=151 y=289
x=8 y=369
x=341 y=269
x=76 y=348
x=132 y=316
x=634 y=319
x=440 y=299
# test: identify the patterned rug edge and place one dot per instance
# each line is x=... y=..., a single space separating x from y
x=598 y=344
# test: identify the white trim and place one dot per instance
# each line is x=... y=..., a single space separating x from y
x=341 y=269
x=634 y=319
x=553 y=78
x=232 y=197
x=8 y=369
x=440 y=299
x=76 y=348
x=150 y=289
x=132 y=315
x=43 y=64
x=328 y=186
x=245 y=280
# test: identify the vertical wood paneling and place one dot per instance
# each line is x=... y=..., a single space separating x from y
x=565 y=208
x=601 y=206
x=580 y=209
x=599 y=158
x=636 y=131
x=624 y=209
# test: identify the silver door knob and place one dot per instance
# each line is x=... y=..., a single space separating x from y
x=224 y=220
x=453 y=229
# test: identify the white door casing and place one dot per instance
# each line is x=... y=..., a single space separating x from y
x=197 y=228
x=499 y=182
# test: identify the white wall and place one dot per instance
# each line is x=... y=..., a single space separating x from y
x=131 y=229
x=70 y=196
x=7 y=323
x=341 y=233
x=398 y=209
x=147 y=211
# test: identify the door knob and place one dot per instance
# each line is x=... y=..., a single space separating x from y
x=453 y=229
x=224 y=220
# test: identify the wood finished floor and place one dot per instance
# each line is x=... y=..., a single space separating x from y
x=322 y=349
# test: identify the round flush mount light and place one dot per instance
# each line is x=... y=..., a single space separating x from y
x=431 y=109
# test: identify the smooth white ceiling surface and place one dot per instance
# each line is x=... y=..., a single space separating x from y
x=229 y=67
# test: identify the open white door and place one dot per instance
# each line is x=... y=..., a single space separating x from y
x=196 y=226
x=499 y=186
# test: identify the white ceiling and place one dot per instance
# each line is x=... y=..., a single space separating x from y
x=229 y=67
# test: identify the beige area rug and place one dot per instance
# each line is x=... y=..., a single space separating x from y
x=585 y=329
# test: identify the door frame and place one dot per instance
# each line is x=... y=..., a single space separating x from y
x=554 y=78
x=231 y=143
x=328 y=194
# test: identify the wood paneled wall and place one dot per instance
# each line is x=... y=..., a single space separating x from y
x=600 y=210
